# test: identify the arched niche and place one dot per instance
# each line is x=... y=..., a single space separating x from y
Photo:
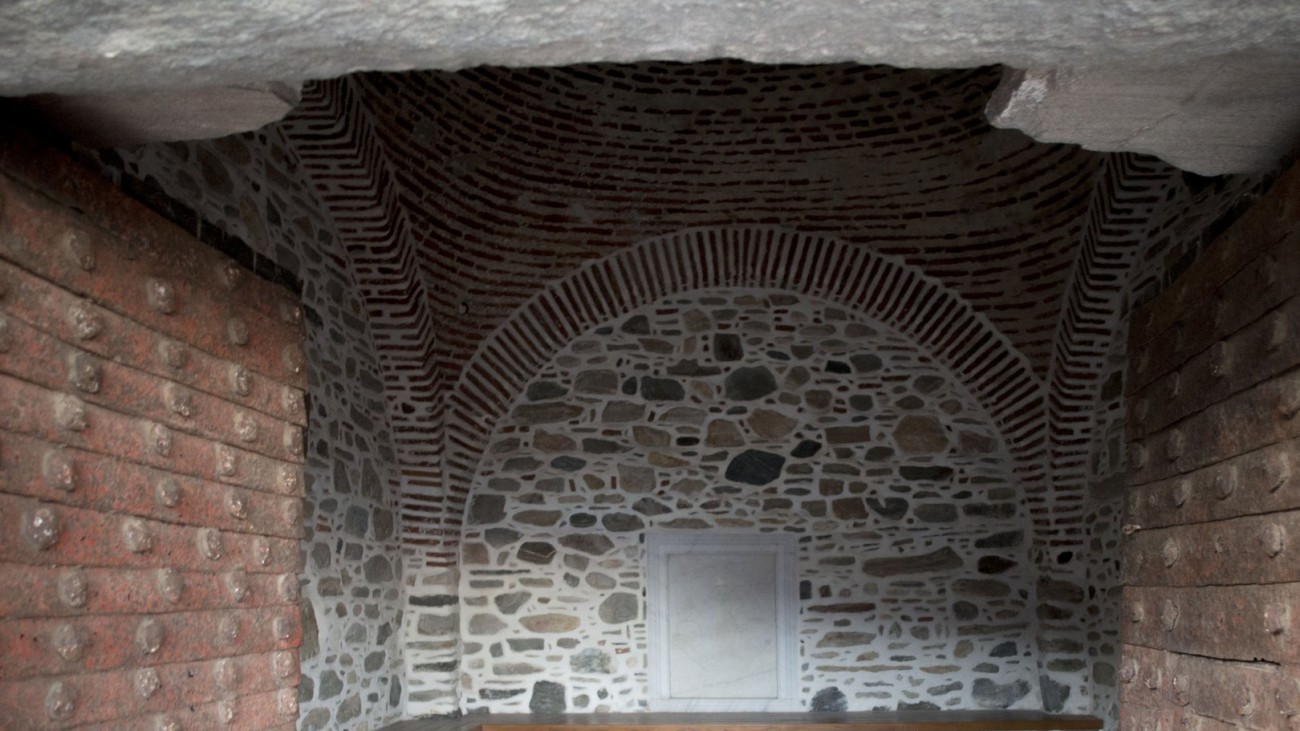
x=753 y=411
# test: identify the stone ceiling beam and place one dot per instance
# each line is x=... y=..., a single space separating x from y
x=46 y=46
x=1215 y=116
x=124 y=119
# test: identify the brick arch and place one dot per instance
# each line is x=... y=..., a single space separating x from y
x=885 y=288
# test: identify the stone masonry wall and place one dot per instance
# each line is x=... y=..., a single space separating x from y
x=245 y=195
x=151 y=484
x=750 y=410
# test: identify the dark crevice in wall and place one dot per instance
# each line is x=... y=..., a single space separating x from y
x=151 y=194
x=108 y=164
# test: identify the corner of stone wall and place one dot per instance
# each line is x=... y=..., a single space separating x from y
x=431 y=635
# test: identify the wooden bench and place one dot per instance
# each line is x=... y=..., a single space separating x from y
x=873 y=721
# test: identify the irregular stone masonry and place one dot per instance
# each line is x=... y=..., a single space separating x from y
x=753 y=410
x=152 y=440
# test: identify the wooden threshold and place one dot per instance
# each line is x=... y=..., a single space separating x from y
x=872 y=721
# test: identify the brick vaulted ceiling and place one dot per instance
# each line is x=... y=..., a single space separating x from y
x=512 y=178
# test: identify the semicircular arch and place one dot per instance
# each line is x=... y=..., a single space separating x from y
x=884 y=288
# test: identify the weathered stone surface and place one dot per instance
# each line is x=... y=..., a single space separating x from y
x=545 y=441
x=377 y=570
x=544 y=391
x=943 y=559
x=619 y=608
x=546 y=413
x=621 y=522
x=648 y=436
x=988 y=694
x=1055 y=694
x=595 y=544
x=805 y=449
x=485 y=624
x=498 y=537
x=602 y=446
x=601 y=381
x=348 y=709
x=972 y=443
x=1006 y=539
x=846 y=639
x=929 y=473
x=819 y=399
x=486 y=509
x=683 y=415
x=936 y=513
x=980 y=588
x=659 y=459
x=770 y=424
x=330 y=685
x=548 y=697
x=661 y=389
x=438 y=624
x=317 y=719
x=724 y=434
x=851 y=508
x=861 y=402
x=696 y=321
x=749 y=384
x=848 y=435
x=920 y=435
x=829 y=700
x=511 y=602
x=633 y=478
x=692 y=368
x=1005 y=649
x=550 y=623
x=619 y=412
x=538 y=517
x=636 y=325
x=755 y=467
x=382 y=522
x=995 y=565
x=356 y=521
x=568 y=463
x=515 y=668
x=1182 y=108
x=866 y=363
x=597 y=580
x=310 y=632
x=650 y=507
x=538 y=552
x=591 y=660
x=727 y=347
x=891 y=508
x=945 y=688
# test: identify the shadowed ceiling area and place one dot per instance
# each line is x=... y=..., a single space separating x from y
x=514 y=177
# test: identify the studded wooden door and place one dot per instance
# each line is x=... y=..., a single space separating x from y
x=151 y=444
x=1212 y=514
